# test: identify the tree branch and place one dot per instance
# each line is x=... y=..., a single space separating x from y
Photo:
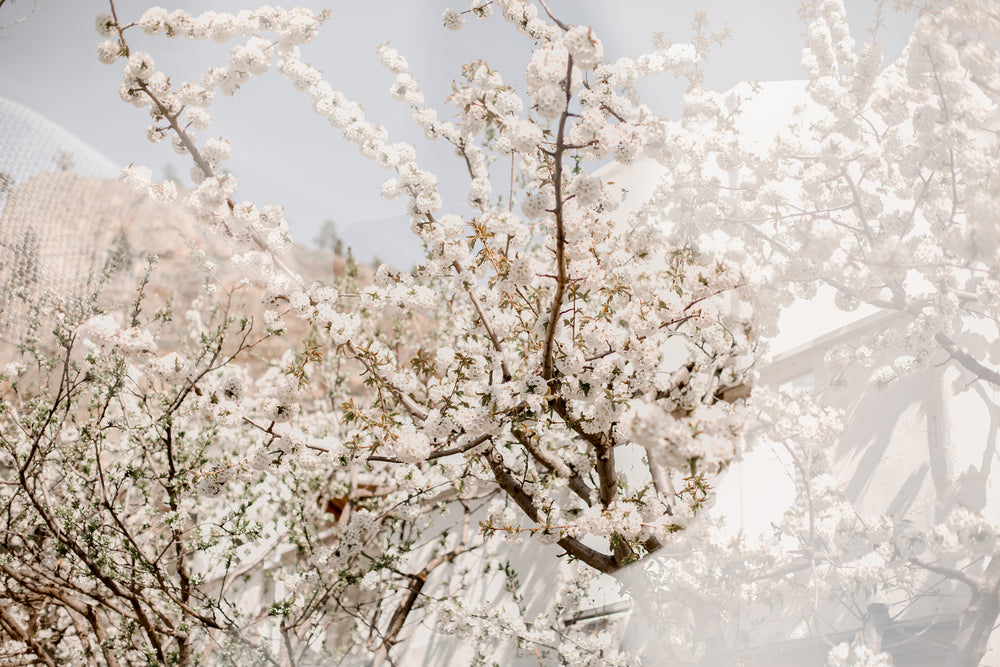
x=554 y=463
x=967 y=360
x=17 y=630
x=574 y=547
x=948 y=572
x=548 y=362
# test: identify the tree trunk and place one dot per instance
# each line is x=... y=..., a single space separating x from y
x=978 y=621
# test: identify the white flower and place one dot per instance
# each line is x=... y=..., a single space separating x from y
x=550 y=100
x=139 y=68
x=13 y=369
x=411 y=446
x=583 y=45
x=482 y=9
x=100 y=328
x=105 y=24
x=536 y=204
x=391 y=59
x=452 y=19
x=231 y=388
x=587 y=189
x=882 y=377
x=279 y=411
x=479 y=192
x=208 y=486
x=258 y=458
x=154 y=20
x=216 y=150
x=198 y=117
x=524 y=135
x=370 y=581
x=172 y=368
x=522 y=271
x=108 y=51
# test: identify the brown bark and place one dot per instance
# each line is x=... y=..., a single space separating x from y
x=576 y=548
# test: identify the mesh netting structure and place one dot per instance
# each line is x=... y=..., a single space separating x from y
x=66 y=222
x=57 y=226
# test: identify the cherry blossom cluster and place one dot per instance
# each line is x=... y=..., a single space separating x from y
x=555 y=369
x=879 y=189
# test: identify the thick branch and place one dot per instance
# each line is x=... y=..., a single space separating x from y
x=967 y=360
x=548 y=362
x=948 y=572
x=507 y=481
x=603 y=448
x=14 y=628
x=458 y=449
x=978 y=621
x=554 y=463
x=100 y=632
x=418 y=581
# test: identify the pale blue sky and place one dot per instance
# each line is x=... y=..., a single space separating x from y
x=284 y=154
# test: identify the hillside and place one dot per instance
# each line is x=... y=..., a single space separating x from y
x=59 y=232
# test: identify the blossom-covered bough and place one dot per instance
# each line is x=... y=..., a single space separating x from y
x=882 y=189
x=546 y=373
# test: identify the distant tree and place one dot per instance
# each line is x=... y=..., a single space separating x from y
x=329 y=238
